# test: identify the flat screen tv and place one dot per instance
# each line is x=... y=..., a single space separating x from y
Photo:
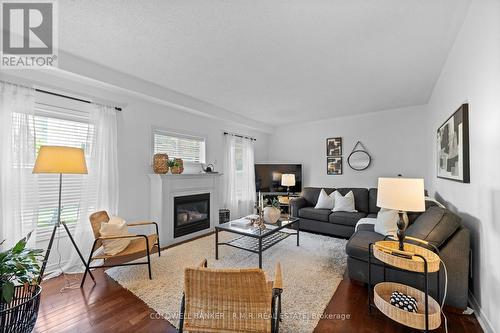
x=268 y=177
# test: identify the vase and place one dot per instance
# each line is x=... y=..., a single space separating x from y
x=160 y=163
x=271 y=214
x=178 y=168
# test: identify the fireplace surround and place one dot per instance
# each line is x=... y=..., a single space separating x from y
x=164 y=189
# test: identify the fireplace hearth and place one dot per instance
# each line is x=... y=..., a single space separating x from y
x=191 y=213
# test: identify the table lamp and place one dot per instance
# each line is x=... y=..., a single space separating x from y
x=58 y=159
x=288 y=179
x=403 y=195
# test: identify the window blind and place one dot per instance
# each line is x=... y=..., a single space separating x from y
x=189 y=148
x=61 y=126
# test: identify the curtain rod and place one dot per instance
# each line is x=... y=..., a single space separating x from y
x=70 y=97
x=240 y=136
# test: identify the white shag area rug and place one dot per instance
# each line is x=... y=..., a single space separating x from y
x=311 y=274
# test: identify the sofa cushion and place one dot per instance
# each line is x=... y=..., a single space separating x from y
x=346 y=218
x=413 y=216
x=372 y=216
x=360 y=197
x=357 y=246
x=311 y=194
x=372 y=201
x=435 y=225
x=312 y=213
x=325 y=201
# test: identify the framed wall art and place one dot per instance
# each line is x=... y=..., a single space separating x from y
x=334 y=165
x=453 y=147
x=334 y=147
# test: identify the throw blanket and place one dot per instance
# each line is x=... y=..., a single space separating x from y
x=365 y=220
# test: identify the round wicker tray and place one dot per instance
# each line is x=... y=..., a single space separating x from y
x=382 y=294
x=387 y=251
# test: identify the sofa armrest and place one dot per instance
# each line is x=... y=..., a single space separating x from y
x=296 y=204
x=455 y=254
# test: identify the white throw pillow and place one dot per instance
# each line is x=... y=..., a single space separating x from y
x=116 y=220
x=343 y=203
x=387 y=222
x=115 y=227
x=325 y=201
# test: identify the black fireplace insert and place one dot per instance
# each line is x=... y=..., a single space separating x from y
x=191 y=213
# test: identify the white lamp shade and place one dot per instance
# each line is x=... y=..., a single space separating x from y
x=58 y=159
x=288 y=179
x=403 y=194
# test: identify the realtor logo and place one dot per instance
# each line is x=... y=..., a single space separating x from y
x=28 y=35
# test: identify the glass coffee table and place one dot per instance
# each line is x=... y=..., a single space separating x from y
x=253 y=239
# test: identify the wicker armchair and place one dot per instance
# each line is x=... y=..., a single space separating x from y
x=140 y=246
x=230 y=300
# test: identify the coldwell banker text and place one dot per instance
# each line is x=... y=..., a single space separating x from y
x=29 y=36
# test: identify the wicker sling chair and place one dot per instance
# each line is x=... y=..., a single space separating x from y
x=230 y=300
x=140 y=246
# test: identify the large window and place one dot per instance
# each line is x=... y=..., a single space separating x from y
x=58 y=123
x=190 y=148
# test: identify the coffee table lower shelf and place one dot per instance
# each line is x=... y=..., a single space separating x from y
x=252 y=244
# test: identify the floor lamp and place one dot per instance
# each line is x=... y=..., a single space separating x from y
x=61 y=160
x=288 y=179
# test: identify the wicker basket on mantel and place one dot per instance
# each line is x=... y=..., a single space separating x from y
x=160 y=163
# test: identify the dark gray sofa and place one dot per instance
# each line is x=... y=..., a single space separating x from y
x=325 y=221
x=436 y=225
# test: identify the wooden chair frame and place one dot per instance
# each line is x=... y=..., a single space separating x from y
x=275 y=300
x=98 y=242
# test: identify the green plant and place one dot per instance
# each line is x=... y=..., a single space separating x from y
x=18 y=265
x=274 y=203
x=173 y=163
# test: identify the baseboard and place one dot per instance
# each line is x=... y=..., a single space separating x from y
x=480 y=315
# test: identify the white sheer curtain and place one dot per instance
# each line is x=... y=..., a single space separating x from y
x=239 y=176
x=101 y=183
x=18 y=194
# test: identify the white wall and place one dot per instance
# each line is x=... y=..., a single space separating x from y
x=472 y=73
x=396 y=140
x=134 y=147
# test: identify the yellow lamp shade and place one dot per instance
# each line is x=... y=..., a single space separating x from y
x=288 y=179
x=58 y=159
x=403 y=194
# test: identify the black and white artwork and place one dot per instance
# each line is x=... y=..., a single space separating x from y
x=334 y=165
x=333 y=146
x=453 y=147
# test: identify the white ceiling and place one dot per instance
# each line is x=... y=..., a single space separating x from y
x=273 y=61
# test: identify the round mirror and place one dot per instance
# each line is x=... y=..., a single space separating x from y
x=359 y=160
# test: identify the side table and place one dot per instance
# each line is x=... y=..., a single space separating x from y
x=415 y=259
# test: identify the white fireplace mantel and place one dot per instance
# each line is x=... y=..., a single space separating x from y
x=163 y=190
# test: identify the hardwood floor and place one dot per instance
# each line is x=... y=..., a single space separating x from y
x=107 y=307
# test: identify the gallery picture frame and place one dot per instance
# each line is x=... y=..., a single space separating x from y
x=461 y=116
x=334 y=146
x=334 y=165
